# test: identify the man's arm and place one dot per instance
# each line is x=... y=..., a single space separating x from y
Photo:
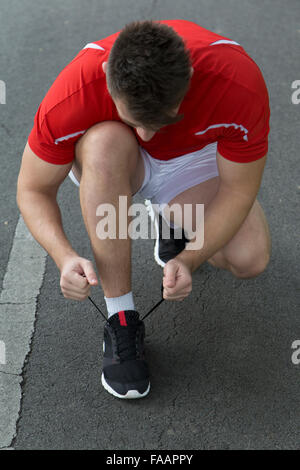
x=239 y=185
x=38 y=184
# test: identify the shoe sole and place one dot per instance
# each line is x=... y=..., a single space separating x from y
x=154 y=220
x=131 y=394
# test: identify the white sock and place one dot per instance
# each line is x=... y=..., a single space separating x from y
x=117 y=304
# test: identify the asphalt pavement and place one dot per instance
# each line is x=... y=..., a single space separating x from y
x=223 y=373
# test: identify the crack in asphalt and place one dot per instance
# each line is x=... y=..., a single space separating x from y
x=16 y=303
x=152 y=7
x=9 y=373
x=6 y=129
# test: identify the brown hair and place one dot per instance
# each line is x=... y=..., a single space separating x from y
x=149 y=69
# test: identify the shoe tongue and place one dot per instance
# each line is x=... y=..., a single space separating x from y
x=124 y=317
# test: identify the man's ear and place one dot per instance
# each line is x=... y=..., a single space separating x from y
x=104 y=66
x=191 y=72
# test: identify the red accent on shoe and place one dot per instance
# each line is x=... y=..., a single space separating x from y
x=122 y=318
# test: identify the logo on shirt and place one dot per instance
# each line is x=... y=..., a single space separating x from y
x=226 y=124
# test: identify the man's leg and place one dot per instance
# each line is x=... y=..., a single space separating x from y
x=247 y=254
x=108 y=164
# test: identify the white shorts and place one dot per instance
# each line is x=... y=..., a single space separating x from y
x=164 y=180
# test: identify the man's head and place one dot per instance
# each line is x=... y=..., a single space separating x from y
x=148 y=73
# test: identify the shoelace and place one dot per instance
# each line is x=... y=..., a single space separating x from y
x=126 y=343
x=150 y=311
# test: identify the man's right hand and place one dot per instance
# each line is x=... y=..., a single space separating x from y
x=77 y=275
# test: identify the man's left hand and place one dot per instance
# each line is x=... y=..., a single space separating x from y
x=177 y=281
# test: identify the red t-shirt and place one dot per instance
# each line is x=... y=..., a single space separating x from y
x=227 y=102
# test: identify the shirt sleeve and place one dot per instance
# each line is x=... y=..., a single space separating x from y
x=246 y=127
x=42 y=142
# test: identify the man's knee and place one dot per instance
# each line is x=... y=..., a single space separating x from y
x=251 y=267
x=107 y=145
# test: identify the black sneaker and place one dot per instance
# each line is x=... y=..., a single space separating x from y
x=165 y=248
x=125 y=371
